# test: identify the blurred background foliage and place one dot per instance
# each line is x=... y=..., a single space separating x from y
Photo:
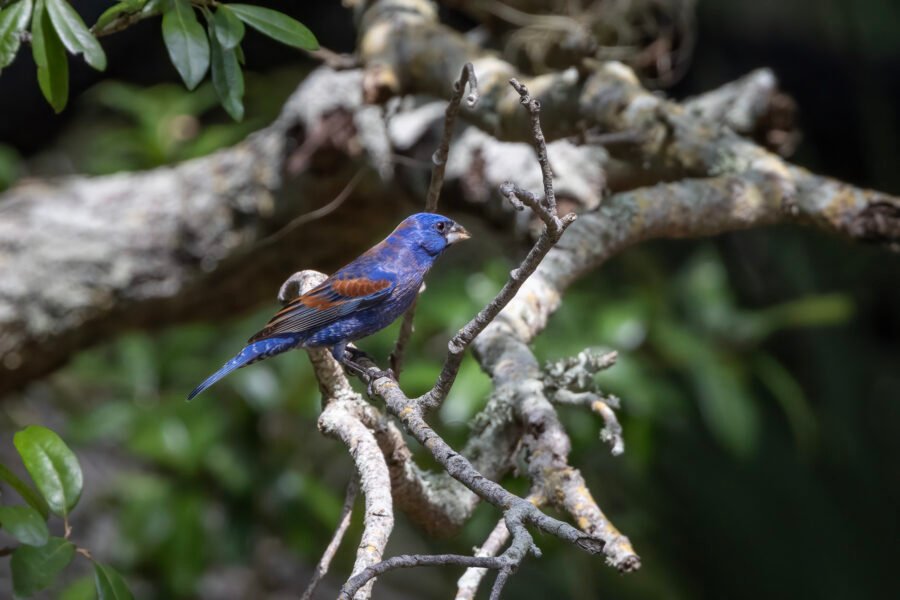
x=759 y=372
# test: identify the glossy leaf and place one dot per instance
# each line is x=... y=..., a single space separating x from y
x=36 y=567
x=276 y=25
x=50 y=58
x=74 y=34
x=28 y=493
x=229 y=29
x=25 y=524
x=186 y=42
x=52 y=466
x=227 y=77
x=109 y=584
x=13 y=21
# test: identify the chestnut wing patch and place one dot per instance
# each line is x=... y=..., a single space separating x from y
x=324 y=304
x=359 y=286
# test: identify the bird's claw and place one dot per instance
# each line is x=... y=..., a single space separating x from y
x=375 y=376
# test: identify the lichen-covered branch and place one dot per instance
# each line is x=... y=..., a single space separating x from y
x=571 y=381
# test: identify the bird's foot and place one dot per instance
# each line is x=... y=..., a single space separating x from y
x=370 y=376
x=374 y=376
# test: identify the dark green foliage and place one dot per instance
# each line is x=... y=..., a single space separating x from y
x=56 y=27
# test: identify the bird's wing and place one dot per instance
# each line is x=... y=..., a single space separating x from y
x=334 y=298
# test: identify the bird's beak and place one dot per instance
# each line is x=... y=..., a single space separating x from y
x=457 y=233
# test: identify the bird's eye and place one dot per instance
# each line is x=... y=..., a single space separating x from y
x=441 y=226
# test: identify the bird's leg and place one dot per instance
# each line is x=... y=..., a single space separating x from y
x=349 y=357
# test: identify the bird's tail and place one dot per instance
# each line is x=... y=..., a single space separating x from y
x=250 y=354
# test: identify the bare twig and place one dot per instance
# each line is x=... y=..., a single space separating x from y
x=408 y=561
x=406 y=330
x=540 y=145
x=505 y=564
x=334 y=544
x=438 y=165
x=439 y=158
x=554 y=227
x=317 y=213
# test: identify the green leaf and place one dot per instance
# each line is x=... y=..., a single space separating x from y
x=36 y=567
x=13 y=21
x=227 y=78
x=74 y=34
x=50 y=58
x=276 y=25
x=52 y=465
x=228 y=28
x=28 y=493
x=186 y=42
x=109 y=584
x=25 y=524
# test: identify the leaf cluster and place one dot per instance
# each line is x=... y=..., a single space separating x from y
x=41 y=557
x=54 y=29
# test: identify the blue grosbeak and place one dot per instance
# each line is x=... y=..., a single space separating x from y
x=365 y=296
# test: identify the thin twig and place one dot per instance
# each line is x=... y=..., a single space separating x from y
x=554 y=227
x=315 y=214
x=439 y=158
x=408 y=561
x=506 y=564
x=334 y=544
x=438 y=165
x=406 y=330
x=540 y=144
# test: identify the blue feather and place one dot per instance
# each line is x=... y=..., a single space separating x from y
x=356 y=301
x=250 y=354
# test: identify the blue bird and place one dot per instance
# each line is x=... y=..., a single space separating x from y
x=361 y=298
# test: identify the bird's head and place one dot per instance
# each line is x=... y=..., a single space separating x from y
x=430 y=232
